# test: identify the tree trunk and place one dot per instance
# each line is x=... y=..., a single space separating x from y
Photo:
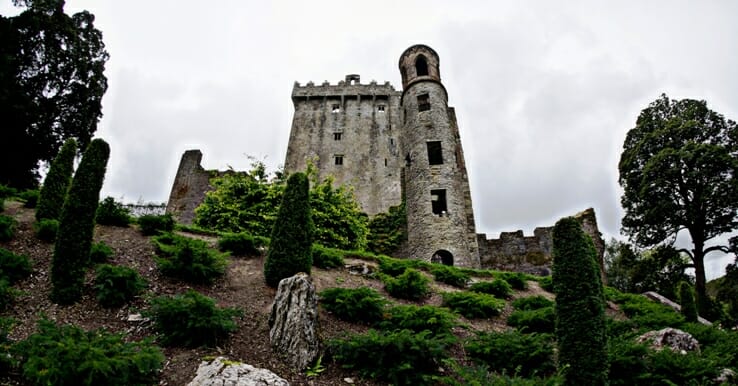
x=699 y=273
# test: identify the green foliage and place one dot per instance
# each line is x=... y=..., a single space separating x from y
x=532 y=303
x=686 y=297
x=401 y=357
x=57 y=181
x=76 y=225
x=450 y=275
x=68 y=355
x=100 y=252
x=191 y=319
x=7 y=227
x=7 y=191
x=439 y=321
x=290 y=250
x=646 y=314
x=327 y=258
x=14 y=267
x=29 y=197
x=6 y=359
x=115 y=286
x=410 y=285
x=677 y=171
x=536 y=320
x=241 y=243
x=546 y=283
x=517 y=280
x=727 y=292
x=7 y=294
x=480 y=375
x=396 y=267
x=387 y=231
x=46 y=229
x=339 y=222
x=151 y=224
x=358 y=305
x=514 y=352
x=580 y=306
x=498 y=288
x=472 y=304
x=110 y=212
x=188 y=259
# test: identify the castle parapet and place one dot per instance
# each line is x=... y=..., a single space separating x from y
x=351 y=86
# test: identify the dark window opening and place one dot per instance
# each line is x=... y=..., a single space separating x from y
x=423 y=102
x=435 y=155
x=421 y=66
x=385 y=162
x=336 y=108
x=438 y=202
x=380 y=108
x=338 y=159
x=392 y=141
x=337 y=136
x=442 y=256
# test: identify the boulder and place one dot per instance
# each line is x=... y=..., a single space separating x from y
x=222 y=372
x=671 y=338
x=293 y=322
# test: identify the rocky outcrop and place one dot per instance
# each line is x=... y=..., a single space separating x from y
x=676 y=307
x=222 y=372
x=671 y=338
x=294 y=322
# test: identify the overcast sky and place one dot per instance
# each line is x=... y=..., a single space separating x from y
x=545 y=91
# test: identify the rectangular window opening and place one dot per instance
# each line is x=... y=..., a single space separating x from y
x=385 y=162
x=438 y=202
x=380 y=108
x=435 y=154
x=338 y=159
x=337 y=136
x=423 y=102
x=336 y=108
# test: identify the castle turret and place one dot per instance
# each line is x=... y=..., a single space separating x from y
x=440 y=220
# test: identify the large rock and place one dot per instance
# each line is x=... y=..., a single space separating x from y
x=221 y=372
x=671 y=338
x=294 y=322
x=676 y=307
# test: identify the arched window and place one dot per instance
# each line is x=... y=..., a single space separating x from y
x=421 y=66
x=443 y=256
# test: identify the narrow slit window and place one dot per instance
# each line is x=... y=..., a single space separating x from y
x=423 y=102
x=338 y=159
x=336 y=108
x=435 y=154
x=337 y=136
x=438 y=202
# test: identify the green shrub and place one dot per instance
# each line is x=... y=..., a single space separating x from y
x=359 y=305
x=6 y=358
x=532 y=303
x=190 y=260
x=76 y=225
x=686 y=297
x=646 y=314
x=411 y=285
x=7 y=227
x=396 y=267
x=497 y=288
x=240 y=243
x=30 y=198
x=401 y=357
x=100 y=252
x=13 y=267
x=46 y=229
x=110 y=212
x=480 y=375
x=327 y=258
x=546 y=283
x=191 y=319
x=56 y=184
x=517 y=280
x=387 y=231
x=537 y=320
x=472 y=304
x=7 y=294
x=450 y=275
x=290 y=249
x=116 y=286
x=7 y=191
x=514 y=352
x=154 y=224
x=68 y=355
x=439 y=321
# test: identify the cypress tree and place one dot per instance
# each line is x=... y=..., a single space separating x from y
x=76 y=225
x=292 y=235
x=56 y=183
x=580 y=306
x=686 y=297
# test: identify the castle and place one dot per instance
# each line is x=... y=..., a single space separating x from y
x=391 y=146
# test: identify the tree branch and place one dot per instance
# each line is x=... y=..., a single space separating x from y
x=714 y=248
x=687 y=251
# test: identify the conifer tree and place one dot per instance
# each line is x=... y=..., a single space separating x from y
x=580 y=306
x=76 y=225
x=54 y=190
x=292 y=235
x=686 y=297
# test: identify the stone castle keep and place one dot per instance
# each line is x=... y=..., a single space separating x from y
x=391 y=145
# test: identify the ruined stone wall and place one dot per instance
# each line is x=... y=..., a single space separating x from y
x=189 y=187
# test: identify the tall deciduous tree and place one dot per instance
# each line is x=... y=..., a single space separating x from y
x=678 y=172
x=54 y=190
x=51 y=85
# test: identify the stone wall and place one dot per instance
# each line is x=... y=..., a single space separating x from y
x=189 y=187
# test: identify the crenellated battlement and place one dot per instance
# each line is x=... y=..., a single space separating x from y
x=351 y=86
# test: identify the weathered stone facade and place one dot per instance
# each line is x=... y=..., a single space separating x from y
x=189 y=188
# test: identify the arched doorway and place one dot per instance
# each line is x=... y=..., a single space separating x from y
x=443 y=256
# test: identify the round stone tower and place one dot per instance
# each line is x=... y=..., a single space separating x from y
x=440 y=219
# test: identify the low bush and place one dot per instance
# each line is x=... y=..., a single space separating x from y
x=472 y=304
x=13 y=267
x=646 y=314
x=7 y=227
x=396 y=267
x=100 y=252
x=191 y=319
x=497 y=288
x=411 y=285
x=154 y=224
x=29 y=197
x=188 y=259
x=547 y=283
x=68 y=355
x=439 y=321
x=449 y=275
x=537 y=320
x=115 y=286
x=514 y=352
x=327 y=258
x=110 y=212
x=7 y=294
x=358 y=305
x=481 y=375
x=6 y=359
x=7 y=191
x=46 y=229
x=532 y=303
x=401 y=357
x=517 y=280
x=240 y=244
